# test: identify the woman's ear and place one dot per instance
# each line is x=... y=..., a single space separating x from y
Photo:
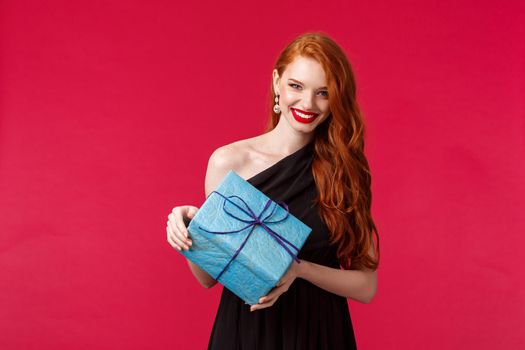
x=276 y=80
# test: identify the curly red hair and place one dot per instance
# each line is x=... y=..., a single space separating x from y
x=340 y=168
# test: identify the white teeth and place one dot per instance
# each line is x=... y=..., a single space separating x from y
x=304 y=115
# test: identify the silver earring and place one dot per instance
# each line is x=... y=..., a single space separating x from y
x=276 y=107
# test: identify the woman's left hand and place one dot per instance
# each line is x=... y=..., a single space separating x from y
x=281 y=287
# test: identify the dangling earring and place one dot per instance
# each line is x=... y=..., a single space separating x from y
x=276 y=107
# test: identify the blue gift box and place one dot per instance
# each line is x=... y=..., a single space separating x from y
x=243 y=239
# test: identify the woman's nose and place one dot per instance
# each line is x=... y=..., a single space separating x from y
x=308 y=101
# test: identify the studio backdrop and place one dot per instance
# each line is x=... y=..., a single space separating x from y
x=110 y=110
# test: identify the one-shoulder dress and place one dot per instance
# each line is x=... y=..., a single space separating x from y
x=304 y=317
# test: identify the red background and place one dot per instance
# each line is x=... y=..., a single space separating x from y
x=110 y=111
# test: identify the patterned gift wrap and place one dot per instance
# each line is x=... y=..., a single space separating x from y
x=243 y=239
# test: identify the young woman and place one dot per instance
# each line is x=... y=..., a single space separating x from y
x=312 y=158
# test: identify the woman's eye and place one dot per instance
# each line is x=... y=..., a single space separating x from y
x=296 y=86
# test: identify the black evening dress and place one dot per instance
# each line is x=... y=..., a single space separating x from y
x=306 y=316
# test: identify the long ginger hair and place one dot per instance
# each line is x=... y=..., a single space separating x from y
x=340 y=168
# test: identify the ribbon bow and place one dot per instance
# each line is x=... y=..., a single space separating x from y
x=255 y=220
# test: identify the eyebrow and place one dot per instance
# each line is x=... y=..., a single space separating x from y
x=297 y=81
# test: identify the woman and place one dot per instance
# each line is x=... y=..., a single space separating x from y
x=312 y=158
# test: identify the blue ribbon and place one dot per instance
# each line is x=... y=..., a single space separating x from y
x=256 y=220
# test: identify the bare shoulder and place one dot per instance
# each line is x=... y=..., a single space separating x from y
x=225 y=158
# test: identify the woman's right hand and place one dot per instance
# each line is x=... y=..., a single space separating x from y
x=178 y=236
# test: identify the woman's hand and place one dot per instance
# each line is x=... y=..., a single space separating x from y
x=178 y=236
x=281 y=287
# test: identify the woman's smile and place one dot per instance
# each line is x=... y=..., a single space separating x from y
x=302 y=116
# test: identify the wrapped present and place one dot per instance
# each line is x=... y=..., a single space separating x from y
x=243 y=239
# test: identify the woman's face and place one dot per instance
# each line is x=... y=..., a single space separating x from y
x=303 y=94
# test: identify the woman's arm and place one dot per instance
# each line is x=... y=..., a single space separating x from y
x=202 y=276
x=359 y=285
x=220 y=162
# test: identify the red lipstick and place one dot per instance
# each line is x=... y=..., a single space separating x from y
x=303 y=116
